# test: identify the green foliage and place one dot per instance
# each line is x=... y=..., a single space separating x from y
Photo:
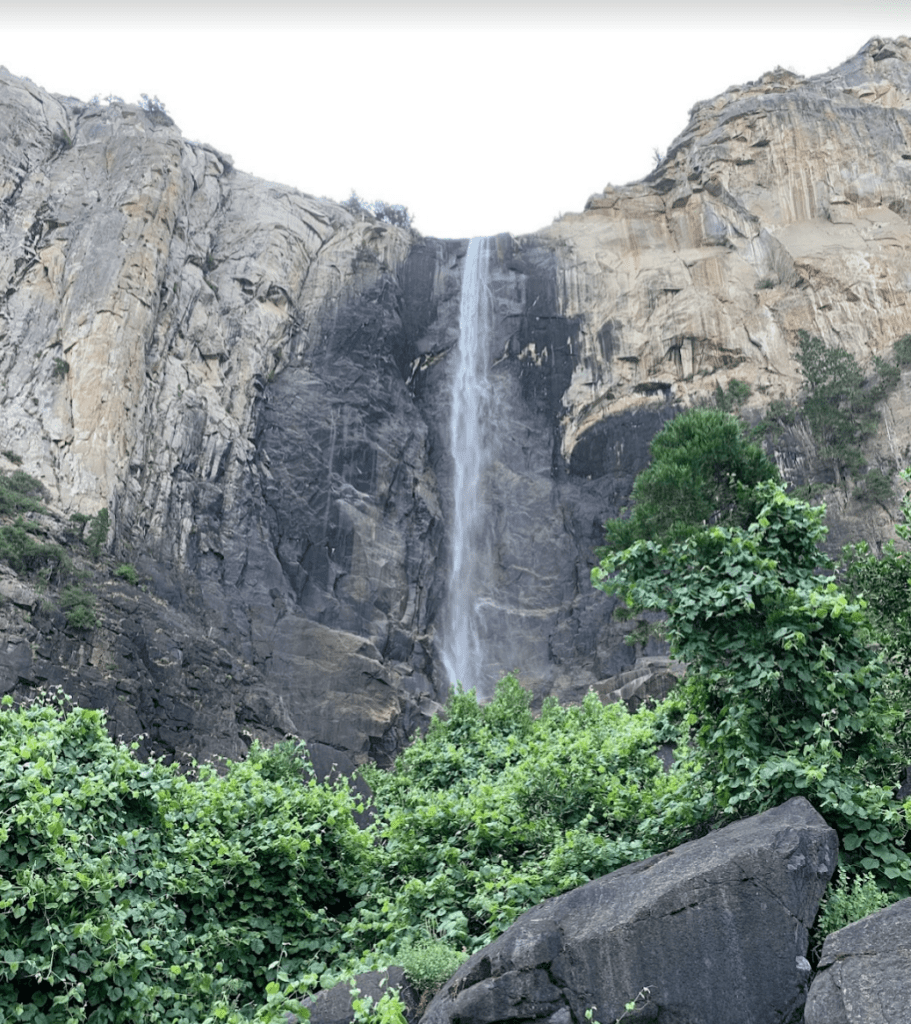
x=20 y=492
x=494 y=810
x=388 y=1010
x=23 y=553
x=429 y=962
x=703 y=469
x=12 y=456
x=79 y=607
x=80 y=520
x=840 y=404
x=130 y=892
x=780 y=415
x=783 y=694
x=884 y=584
x=61 y=369
x=853 y=898
x=738 y=391
x=127 y=572
x=901 y=350
x=98 y=528
x=876 y=487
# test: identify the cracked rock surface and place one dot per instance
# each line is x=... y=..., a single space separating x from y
x=716 y=929
x=864 y=973
x=256 y=384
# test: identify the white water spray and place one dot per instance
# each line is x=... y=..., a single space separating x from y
x=470 y=434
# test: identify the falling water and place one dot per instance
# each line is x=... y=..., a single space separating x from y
x=470 y=437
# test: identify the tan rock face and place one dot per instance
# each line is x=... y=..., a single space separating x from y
x=257 y=385
x=784 y=205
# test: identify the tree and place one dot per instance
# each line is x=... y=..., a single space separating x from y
x=97 y=536
x=703 y=470
x=391 y=213
x=884 y=583
x=782 y=693
x=840 y=403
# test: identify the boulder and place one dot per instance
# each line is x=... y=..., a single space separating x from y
x=716 y=931
x=864 y=974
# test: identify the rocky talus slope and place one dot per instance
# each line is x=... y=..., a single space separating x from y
x=256 y=384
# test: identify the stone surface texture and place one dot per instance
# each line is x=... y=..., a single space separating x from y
x=256 y=384
x=864 y=973
x=715 y=929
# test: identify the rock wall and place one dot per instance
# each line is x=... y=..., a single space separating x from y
x=255 y=383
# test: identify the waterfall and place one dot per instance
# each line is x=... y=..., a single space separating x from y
x=471 y=437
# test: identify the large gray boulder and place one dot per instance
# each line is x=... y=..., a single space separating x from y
x=716 y=929
x=864 y=975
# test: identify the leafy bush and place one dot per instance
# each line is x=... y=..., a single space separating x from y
x=24 y=554
x=902 y=350
x=128 y=573
x=853 y=898
x=79 y=607
x=738 y=391
x=876 y=487
x=79 y=521
x=429 y=962
x=20 y=492
x=12 y=456
x=130 y=892
x=703 y=469
x=782 y=692
x=495 y=810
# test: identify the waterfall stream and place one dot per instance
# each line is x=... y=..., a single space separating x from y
x=471 y=432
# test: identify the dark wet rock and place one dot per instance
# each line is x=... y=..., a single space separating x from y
x=716 y=931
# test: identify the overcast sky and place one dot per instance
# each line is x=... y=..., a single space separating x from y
x=480 y=118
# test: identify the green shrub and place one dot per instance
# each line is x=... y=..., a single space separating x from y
x=388 y=1010
x=738 y=391
x=61 y=369
x=902 y=350
x=875 y=487
x=840 y=400
x=429 y=962
x=482 y=819
x=851 y=899
x=20 y=492
x=24 y=554
x=391 y=213
x=782 y=692
x=131 y=892
x=128 y=573
x=12 y=456
x=79 y=607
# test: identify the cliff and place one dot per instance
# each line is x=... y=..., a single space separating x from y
x=256 y=384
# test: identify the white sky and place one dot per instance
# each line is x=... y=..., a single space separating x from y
x=479 y=117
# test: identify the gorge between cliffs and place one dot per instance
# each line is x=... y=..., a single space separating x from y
x=263 y=390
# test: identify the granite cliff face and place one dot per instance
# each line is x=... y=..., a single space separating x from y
x=255 y=383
